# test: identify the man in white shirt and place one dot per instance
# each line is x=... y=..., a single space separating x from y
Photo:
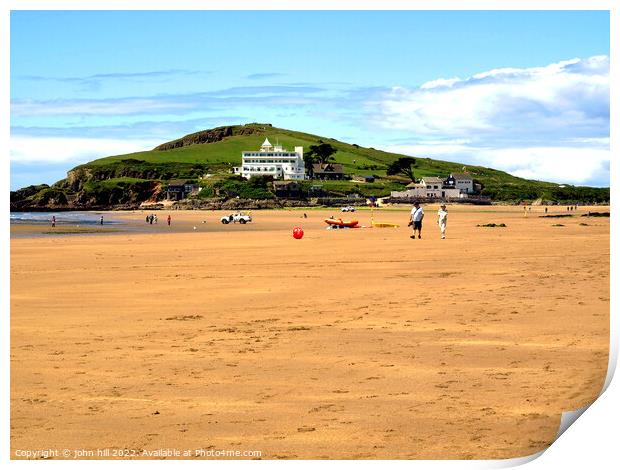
x=417 y=214
x=442 y=220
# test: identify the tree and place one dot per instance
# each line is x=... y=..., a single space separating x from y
x=322 y=152
x=308 y=161
x=402 y=166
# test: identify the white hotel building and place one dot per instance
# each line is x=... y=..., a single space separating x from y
x=274 y=161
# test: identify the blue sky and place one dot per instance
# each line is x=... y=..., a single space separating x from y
x=527 y=92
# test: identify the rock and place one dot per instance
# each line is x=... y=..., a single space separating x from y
x=213 y=135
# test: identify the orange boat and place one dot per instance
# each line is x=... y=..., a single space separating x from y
x=341 y=223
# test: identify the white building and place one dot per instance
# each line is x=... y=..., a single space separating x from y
x=462 y=181
x=430 y=187
x=447 y=193
x=274 y=161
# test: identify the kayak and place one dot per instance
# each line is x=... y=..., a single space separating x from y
x=341 y=223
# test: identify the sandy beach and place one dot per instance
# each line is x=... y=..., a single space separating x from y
x=347 y=344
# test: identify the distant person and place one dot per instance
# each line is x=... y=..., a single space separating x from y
x=417 y=214
x=442 y=220
x=169 y=220
x=101 y=221
x=305 y=215
x=151 y=219
x=546 y=208
x=53 y=221
x=147 y=219
x=155 y=216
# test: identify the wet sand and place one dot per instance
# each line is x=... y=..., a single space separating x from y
x=346 y=344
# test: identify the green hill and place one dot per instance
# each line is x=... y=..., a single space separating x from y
x=112 y=180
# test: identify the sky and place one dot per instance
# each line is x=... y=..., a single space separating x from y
x=522 y=91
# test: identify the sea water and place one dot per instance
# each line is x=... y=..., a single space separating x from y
x=62 y=218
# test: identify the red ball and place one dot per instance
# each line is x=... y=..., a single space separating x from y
x=298 y=233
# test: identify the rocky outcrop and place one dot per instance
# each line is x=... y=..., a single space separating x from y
x=39 y=197
x=127 y=194
x=130 y=168
x=239 y=204
x=214 y=135
x=88 y=197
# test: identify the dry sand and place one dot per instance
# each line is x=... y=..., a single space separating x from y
x=346 y=344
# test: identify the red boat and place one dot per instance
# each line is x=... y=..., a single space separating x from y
x=341 y=223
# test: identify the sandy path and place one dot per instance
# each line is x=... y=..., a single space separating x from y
x=346 y=344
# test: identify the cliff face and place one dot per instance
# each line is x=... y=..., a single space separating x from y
x=39 y=197
x=124 y=183
x=106 y=196
x=130 y=169
x=214 y=135
x=102 y=195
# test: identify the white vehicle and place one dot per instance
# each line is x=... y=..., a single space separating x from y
x=347 y=209
x=236 y=217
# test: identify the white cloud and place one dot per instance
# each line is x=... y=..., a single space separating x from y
x=549 y=123
x=97 y=107
x=569 y=96
x=585 y=165
x=440 y=82
x=66 y=149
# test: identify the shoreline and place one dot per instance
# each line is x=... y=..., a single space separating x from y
x=280 y=204
x=208 y=221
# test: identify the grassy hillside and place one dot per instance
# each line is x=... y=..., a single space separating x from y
x=207 y=158
x=220 y=156
x=356 y=160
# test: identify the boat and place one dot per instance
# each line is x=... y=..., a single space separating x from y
x=341 y=223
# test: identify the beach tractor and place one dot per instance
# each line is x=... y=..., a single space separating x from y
x=237 y=217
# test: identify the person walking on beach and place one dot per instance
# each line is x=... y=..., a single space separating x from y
x=417 y=214
x=442 y=220
x=101 y=221
x=169 y=220
x=53 y=221
x=147 y=219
